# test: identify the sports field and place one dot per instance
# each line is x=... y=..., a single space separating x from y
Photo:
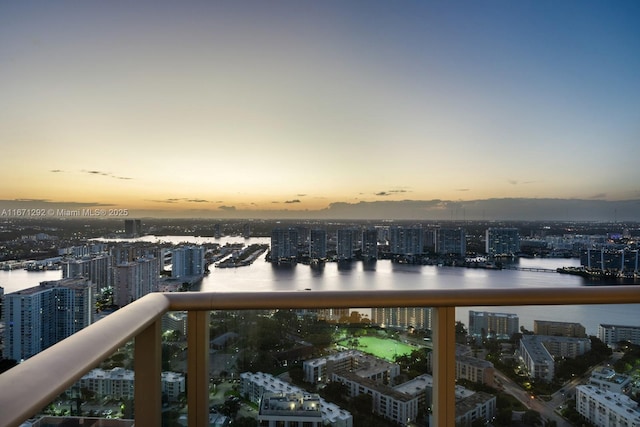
x=379 y=347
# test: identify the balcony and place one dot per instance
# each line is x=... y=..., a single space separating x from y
x=30 y=386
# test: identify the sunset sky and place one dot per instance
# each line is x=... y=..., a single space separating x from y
x=221 y=108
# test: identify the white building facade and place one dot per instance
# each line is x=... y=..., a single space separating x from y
x=606 y=409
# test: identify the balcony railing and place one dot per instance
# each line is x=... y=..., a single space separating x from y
x=30 y=386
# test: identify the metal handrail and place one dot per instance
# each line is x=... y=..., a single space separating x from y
x=30 y=386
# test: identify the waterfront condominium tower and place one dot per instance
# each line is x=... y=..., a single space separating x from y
x=95 y=267
x=284 y=245
x=187 y=261
x=407 y=241
x=37 y=318
x=502 y=241
x=370 y=244
x=345 y=239
x=318 y=244
x=135 y=279
x=450 y=241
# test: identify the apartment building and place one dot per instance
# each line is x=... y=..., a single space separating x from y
x=38 y=317
x=606 y=409
x=613 y=334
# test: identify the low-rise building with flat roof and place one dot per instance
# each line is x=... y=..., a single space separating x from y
x=606 y=409
x=607 y=379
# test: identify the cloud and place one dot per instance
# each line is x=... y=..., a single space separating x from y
x=463 y=189
x=56 y=170
x=300 y=195
x=599 y=196
x=293 y=201
x=516 y=182
x=102 y=173
x=32 y=200
x=389 y=192
x=227 y=208
x=182 y=199
x=94 y=172
x=26 y=203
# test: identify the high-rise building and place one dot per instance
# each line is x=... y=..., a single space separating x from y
x=96 y=268
x=402 y=317
x=135 y=279
x=332 y=314
x=132 y=227
x=609 y=259
x=284 y=245
x=370 y=244
x=345 y=241
x=406 y=241
x=499 y=325
x=318 y=244
x=187 y=261
x=451 y=241
x=38 y=317
x=502 y=242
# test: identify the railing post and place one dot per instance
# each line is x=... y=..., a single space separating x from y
x=148 y=371
x=198 y=368
x=444 y=364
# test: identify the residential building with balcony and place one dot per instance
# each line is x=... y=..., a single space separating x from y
x=475 y=370
x=284 y=245
x=95 y=267
x=397 y=406
x=345 y=244
x=370 y=244
x=187 y=261
x=450 y=241
x=502 y=242
x=611 y=259
x=606 y=409
x=402 y=317
x=564 y=329
x=611 y=335
x=483 y=324
x=406 y=241
x=468 y=367
x=135 y=279
x=39 y=317
x=318 y=244
x=538 y=352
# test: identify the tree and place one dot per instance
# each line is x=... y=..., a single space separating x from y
x=531 y=417
x=461 y=333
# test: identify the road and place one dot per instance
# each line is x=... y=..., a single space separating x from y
x=546 y=409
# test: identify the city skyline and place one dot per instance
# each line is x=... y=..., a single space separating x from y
x=502 y=110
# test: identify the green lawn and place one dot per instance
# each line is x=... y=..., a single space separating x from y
x=379 y=347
